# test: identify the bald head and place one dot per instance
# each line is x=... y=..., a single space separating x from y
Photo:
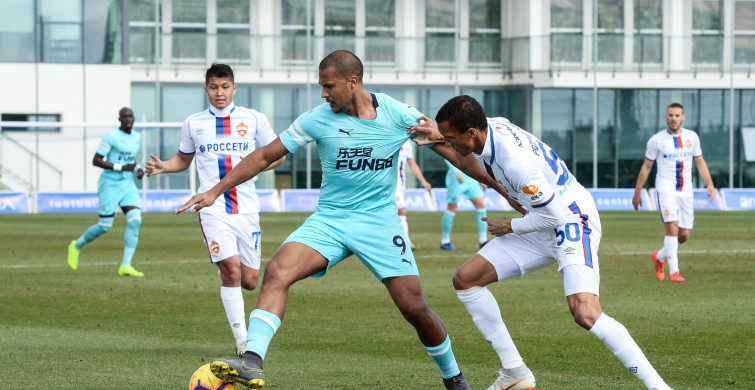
x=345 y=63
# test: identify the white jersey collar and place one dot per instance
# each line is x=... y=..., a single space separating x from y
x=224 y=112
x=489 y=149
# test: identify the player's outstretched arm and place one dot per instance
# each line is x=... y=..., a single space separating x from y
x=473 y=169
x=177 y=163
x=642 y=177
x=702 y=167
x=248 y=168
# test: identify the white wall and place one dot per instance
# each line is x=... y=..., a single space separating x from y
x=60 y=90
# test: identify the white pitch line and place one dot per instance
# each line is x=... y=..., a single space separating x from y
x=443 y=255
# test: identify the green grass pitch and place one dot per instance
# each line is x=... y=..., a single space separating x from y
x=91 y=329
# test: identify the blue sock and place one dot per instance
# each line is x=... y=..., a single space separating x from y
x=444 y=358
x=448 y=224
x=482 y=226
x=262 y=328
x=131 y=238
x=94 y=231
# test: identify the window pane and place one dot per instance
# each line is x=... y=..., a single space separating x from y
x=610 y=48
x=339 y=17
x=485 y=31
x=17 y=32
x=566 y=48
x=648 y=14
x=439 y=13
x=294 y=12
x=484 y=14
x=189 y=46
x=648 y=49
x=706 y=15
x=611 y=14
x=707 y=49
x=380 y=13
x=141 y=10
x=234 y=47
x=141 y=45
x=233 y=11
x=566 y=13
x=103 y=35
x=744 y=15
x=189 y=11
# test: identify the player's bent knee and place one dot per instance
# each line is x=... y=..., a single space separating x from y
x=249 y=283
x=585 y=318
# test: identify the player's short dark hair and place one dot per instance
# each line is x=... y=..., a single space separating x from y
x=217 y=70
x=675 y=105
x=463 y=112
x=346 y=63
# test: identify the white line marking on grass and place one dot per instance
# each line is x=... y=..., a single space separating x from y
x=442 y=255
x=99 y=264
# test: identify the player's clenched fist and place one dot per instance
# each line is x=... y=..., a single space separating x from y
x=154 y=166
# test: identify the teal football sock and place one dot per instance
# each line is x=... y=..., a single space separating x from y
x=444 y=358
x=262 y=328
x=131 y=238
x=94 y=231
x=448 y=224
x=482 y=226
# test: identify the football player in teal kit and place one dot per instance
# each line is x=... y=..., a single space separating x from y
x=116 y=187
x=358 y=136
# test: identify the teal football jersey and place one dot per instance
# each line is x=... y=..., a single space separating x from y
x=119 y=148
x=358 y=157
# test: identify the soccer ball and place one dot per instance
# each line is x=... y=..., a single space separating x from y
x=203 y=379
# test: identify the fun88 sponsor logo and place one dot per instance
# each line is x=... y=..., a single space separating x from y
x=224 y=147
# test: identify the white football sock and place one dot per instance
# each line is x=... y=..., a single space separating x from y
x=671 y=246
x=233 y=302
x=486 y=315
x=618 y=340
x=404 y=225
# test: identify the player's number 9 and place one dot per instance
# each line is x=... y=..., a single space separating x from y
x=399 y=242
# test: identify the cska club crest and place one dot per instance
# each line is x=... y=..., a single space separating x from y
x=242 y=129
x=688 y=144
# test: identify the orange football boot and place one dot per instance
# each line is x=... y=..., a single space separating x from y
x=675 y=277
x=659 y=274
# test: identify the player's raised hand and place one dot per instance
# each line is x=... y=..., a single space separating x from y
x=154 y=166
x=199 y=201
x=426 y=131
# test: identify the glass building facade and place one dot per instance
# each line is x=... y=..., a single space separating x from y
x=536 y=78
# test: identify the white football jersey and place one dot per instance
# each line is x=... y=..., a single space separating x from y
x=674 y=154
x=533 y=174
x=219 y=139
x=405 y=154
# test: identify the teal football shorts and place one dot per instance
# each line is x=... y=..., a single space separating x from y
x=112 y=193
x=376 y=238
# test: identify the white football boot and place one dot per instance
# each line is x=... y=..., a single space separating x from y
x=508 y=380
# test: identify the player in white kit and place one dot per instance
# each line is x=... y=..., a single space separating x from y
x=219 y=138
x=406 y=157
x=562 y=226
x=674 y=149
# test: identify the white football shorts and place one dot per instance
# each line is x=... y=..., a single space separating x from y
x=400 y=200
x=228 y=235
x=574 y=246
x=676 y=206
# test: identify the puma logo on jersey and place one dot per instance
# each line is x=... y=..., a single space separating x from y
x=346 y=131
x=406 y=261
